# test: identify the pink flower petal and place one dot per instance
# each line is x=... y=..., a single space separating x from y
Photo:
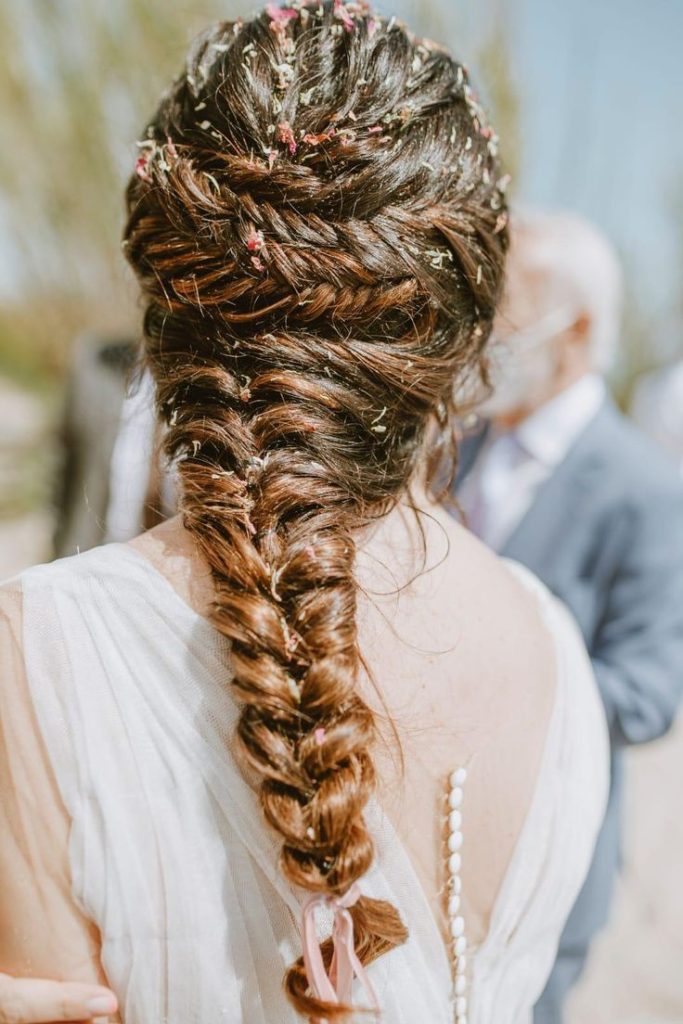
x=255 y=240
x=342 y=13
x=315 y=140
x=141 y=166
x=281 y=14
x=286 y=135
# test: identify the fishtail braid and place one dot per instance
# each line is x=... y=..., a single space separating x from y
x=318 y=225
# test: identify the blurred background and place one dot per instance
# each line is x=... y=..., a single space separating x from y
x=588 y=100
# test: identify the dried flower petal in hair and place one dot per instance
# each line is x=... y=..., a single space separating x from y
x=293 y=688
x=255 y=240
x=381 y=415
x=285 y=73
x=347 y=135
x=286 y=135
x=292 y=643
x=501 y=222
x=274 y=580
x=344 y=15
x=315 y=140
x=279 y=15
x=142 y=165
x=438 y=256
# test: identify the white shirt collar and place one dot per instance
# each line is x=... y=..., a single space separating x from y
x=550 y=431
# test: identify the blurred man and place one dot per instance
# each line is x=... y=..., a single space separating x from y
x=557 y=479
x=111 y=485
x=657 y=408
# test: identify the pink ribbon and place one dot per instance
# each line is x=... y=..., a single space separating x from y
x=335 y=987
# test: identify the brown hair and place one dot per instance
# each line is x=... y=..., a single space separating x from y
x=318 y=226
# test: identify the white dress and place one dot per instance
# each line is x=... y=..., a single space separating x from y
x=168 y=853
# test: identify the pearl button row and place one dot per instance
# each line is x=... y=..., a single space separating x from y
x=456 y=922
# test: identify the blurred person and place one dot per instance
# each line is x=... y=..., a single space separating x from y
x=223 y=702
x=93 y=401
x=111 y=483
x=556 y=478
x=657 y=408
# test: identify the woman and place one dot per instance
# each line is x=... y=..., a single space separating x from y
x=252 y=711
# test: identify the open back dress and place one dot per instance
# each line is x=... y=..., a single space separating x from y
x=168 y=852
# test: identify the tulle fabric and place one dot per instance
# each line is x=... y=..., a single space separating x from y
x=167 y=852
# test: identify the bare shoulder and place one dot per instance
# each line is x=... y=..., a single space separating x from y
x=506 y=604
x=174 y=553
x=484 y=615
x=506 y=655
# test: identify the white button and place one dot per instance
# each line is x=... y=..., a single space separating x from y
x=457 y=927
x=461 y=965
x=458 y=777
x=461 y=1006
x=460 y=945
x=453 y=905
x=454 y=862
x=454 y=841
x=456 y=885
x=455 y=798
x=460 y=984
x=454 y=820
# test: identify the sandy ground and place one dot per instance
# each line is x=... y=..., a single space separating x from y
x=635 y=973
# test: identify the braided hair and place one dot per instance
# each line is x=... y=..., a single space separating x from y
x=318 y=225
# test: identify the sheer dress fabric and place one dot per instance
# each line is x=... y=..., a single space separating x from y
x=168 y=855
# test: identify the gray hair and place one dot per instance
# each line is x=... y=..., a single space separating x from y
x=581 y=268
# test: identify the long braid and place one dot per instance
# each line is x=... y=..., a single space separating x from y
x=311 y=297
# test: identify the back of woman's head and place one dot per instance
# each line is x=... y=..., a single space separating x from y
x=319 y=229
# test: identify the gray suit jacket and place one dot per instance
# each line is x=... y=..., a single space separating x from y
x=94 y=396
x=605 y=533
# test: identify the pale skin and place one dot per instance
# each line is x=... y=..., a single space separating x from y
x=41 y=1001
x=529 y=295
x=572 y=362
x=463 y=668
